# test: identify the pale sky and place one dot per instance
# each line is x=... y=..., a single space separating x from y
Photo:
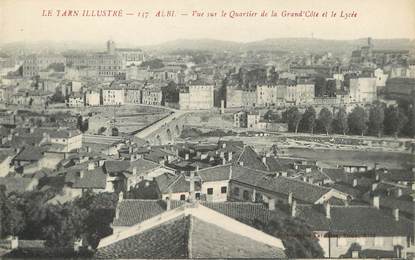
x=22 y=20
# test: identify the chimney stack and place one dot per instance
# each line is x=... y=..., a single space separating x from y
x=294 y=209
x=134 y=170
x=327 y=207
x=229 y=156
x=354 y=182
x=192 y=186
x=377 y=176
x=81 y=174
x=120 y=196
x=290 y=198
x=186 y=156
x=230 y=172
x=223 y=161
x=399 y=192
x=271 y=204
x=374 y=186
x=264 y=160
x=91 y=166
x=395 y=213
x=376 y=202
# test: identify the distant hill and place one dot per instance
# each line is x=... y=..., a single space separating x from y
x=283 y=44
x=273 y=44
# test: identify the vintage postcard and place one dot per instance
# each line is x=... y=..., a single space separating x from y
x=185 y=129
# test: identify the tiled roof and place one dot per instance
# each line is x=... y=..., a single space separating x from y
x=355 y=220
x=188 y=236
x=143 y=165
x=348 y=189
x=169 y=240
x=30 y=153
x=216 y=173
x=93 y=179
x=116 y=166
x=132 y=212
x=168 y=182
x=16 y=184
x=302 y=191
x=251 y=159
x=211 y=241
x=403 y=204
x=396 y=175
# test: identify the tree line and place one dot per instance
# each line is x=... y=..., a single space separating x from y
x=377 y=119
x=29 y=216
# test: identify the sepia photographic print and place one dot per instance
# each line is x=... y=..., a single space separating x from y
x=207 y=129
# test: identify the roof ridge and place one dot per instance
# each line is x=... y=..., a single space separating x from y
x=216 y=166
x=190 y=238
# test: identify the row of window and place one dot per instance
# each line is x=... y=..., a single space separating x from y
x=223 y=190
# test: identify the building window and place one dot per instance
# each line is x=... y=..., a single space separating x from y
x=197 y=195
x=210 y=191
x=223 y=189
x=182 y=197
x=236 y=191
x=246 y=195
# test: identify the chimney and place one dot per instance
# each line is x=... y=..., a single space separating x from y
x=120 y=196
x=327 y=208
x=168 y=204
x=81 y=174
x=374 y=186
x=376 y=201
x=264 y=160
x=130 y=150
x=294 y=209
x=88 y=149
x=230 y=172
x=377 y=177
x=354 y=182
x=134 y=170
x=186 y=156
x=192 y=187
x=223 y=145
x=229 y=156
x=91 y=166
x=117 y=212
x=399 y=192
x=223 y=161
x=290 y=198
x=271 y=204
x=395 y=213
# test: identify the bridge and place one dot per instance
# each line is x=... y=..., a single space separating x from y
x=165 y=130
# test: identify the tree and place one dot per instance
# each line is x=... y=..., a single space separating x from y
x=340 y=122
x=11 y=219
x=308 y=122
x=326 y=118
x=292 y=117
x=409 y=128
x=357 y=121
x=297 y=237
x=376 y=117
x=394 y=121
